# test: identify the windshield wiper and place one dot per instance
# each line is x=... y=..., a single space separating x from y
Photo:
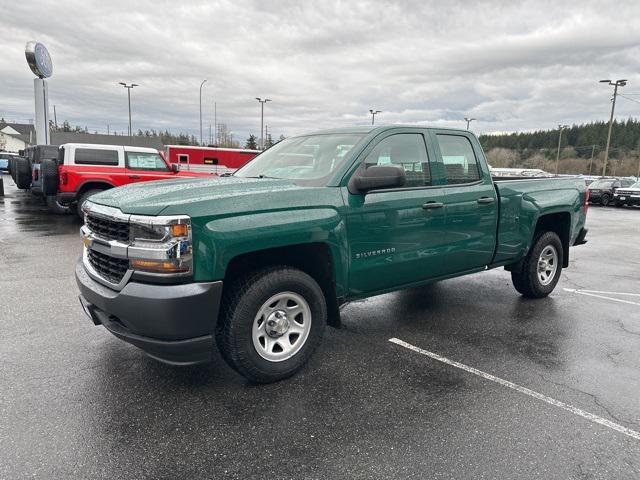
x=263 y=176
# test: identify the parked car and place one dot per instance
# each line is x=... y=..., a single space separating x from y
x=82 y=170
x=601 y=191
x=627 y=195
x=35 y=155
x=4 y=160
x=261 y=260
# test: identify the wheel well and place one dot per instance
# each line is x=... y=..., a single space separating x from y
x=93 y=186
x=312 y=258
x=560 y=223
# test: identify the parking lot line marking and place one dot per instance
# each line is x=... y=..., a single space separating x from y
x=601 y=292
x=505 y=383
x=590 y=294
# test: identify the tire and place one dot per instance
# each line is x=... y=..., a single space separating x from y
x=50 y=179
x=605 y=200
x=22 y=173
x=56 y=207
x=241 y=335
x=528 y=279
x=84 y=197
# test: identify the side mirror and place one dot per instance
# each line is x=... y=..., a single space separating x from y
x=376 y=177
x=175 y=168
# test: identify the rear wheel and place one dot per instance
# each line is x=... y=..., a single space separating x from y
x=56 y=207
x=271 y=322
x=606 y=199
x=541 y=268
x=83 y=198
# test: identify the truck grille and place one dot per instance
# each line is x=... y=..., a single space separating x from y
x=108 y=229
x=110 y=268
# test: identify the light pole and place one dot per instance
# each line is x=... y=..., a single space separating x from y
x=373 y=115
x=468 y=120
x=560 y=128
x=129 y=87
x=203 y=82
x=262 y=102
x=616 y=84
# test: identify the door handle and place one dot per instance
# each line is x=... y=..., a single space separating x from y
x=485 y=200
x=430 y=205
x=134 y=177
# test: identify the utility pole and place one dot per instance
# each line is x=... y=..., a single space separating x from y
x=215 y=123
x=210 y=138
x=55 y=117
x=560 y=127
x=468 y=120
x=616 y=84
x=129 y=87
x=373 y=115
x=593 y=150
x=203 y=82
x=107 y=129
x=262 y=102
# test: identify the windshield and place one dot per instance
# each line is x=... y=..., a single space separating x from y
x=601 y=184
x=311 y=160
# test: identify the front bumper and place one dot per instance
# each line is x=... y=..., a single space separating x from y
x=172 y=323
x=627 y=199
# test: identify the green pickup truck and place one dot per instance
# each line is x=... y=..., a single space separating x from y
x=260 y=261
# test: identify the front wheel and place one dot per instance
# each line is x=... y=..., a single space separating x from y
x=271 y=322
x=541 y=268
x=606 y=199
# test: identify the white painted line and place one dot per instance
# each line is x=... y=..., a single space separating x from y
x=505 y=383
x=589 y=294
x=601 y=292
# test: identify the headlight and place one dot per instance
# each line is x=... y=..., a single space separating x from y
x=161 y=245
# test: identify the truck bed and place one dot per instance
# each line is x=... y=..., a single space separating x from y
x=522 y=200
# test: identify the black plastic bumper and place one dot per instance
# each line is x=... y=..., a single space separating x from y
x=172 y=323
x=66 y=198
x=581 y=238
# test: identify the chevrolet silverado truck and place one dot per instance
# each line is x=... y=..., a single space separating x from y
x=259 y=262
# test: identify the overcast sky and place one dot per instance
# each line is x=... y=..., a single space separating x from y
x=512 y=65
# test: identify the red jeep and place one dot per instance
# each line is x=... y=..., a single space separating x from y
x=83 y=169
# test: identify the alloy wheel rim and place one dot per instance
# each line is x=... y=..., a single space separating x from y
x=547 y=264
x=281 y=326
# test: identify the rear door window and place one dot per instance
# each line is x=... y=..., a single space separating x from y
x=460 y=162
x=94 y=156
x=145 y=161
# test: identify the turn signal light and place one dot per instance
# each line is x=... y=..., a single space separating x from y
x=157 y=266
x=179 y=230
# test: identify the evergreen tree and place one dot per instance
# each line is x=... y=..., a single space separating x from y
x=251 y=143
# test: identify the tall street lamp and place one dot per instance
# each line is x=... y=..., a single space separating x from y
x=203 y=82
x=560 y=128
x=468 y=120
x=373 y=115
x=129 y=87
x=262 y=102
x=616 y=84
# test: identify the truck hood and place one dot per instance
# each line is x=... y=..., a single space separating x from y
x=203 y=196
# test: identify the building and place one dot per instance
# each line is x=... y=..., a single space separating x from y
x=59 y=138
x=16 y=136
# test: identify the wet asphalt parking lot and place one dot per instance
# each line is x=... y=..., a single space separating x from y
x=541 y=389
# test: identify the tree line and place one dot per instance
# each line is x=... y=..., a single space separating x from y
x=625 y=135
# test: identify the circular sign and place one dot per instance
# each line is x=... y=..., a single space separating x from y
x=39 y=59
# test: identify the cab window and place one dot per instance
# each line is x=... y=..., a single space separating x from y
x=460 y=163
x=406 y=150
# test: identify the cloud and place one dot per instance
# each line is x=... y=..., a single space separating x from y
x=512 y=65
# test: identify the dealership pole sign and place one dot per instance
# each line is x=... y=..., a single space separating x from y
x=41 y=65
